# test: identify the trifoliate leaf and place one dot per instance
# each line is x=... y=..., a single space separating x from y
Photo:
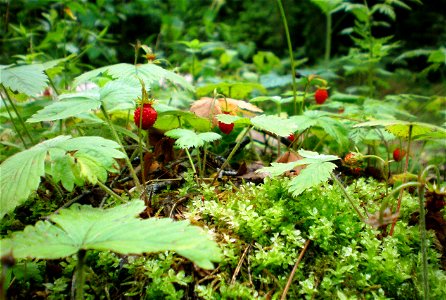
x=27 y=79
x=313 y=175
x=174 y=118
x=116 y=229
x=189 y=139
x=149 y=73
x=276 y=125
x=20 y=174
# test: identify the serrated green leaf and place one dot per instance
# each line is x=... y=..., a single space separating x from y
x=27 y=79
x=62 y=171
x=118 y=95
x=276 y=125
x=277 y=169
x=189 y=139
x=149 y=73
x=70 y=105
x=316 y=157
x=20 y=174
x=401 y=128
x=313 y=175
x=228 y=119
x=116 y=229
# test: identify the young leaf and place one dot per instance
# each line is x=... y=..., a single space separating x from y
x=149 y=73
x=116 y=229
x=189 y=139
x=27 y=79
x=20 y=174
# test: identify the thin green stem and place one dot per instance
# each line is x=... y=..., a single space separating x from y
x=80 y=274
x=110 y=191
x=14 y=125
x=191 y=163
x=17 y=114
x=234 y=150
x=297 y=110
x=327 y=38
x=344 y=191
x=126 y=158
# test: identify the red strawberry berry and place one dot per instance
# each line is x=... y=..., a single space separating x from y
x=398 y=154
x=148 y=118
x=225 y=128
x=320 y=96
x=291 y=137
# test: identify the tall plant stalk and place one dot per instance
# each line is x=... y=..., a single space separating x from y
x=297 y=109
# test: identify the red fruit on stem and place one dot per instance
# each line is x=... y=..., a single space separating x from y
x=225 y=128
x=291 y=137
x=320 y=96
x=148 y=118
x=398 y=154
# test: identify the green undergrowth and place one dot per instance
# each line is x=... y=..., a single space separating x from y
x=261 y=231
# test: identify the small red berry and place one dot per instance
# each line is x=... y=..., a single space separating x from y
x=320 y=96
x=148 y=118
x=225 y=128
x=291 y=137
x=398 y=154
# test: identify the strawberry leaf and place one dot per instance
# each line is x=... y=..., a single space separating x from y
x=92 y=158
x=239 y=90
x=276 y=125
x=27 y=79
x=189 y=139
x=149 y=73
x=116 y=229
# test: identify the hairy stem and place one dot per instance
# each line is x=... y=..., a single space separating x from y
x=344 y=191
x=80 y=274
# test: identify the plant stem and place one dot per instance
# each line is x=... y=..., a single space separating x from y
x=110 y=191
x=80 y=274
x=424 y=273
x=234 y=150
x=290 y=279
x=192 y=164
x=406 y=166
x=118 y=140
x=297 y=110
x=18 y=115
x=14 y=125
x=327 y=38
x=344 y=191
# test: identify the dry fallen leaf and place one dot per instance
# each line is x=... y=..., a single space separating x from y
x=207 y=108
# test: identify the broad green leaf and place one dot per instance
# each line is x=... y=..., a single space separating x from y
x=70 y=105
x=149 y=73
x=327 y=5
x=20 y=174
x=189 y=139
x=277 y=169
x=27 y=79
x=313 y=175
x=238 y=90
x=118 y=95
x=116 y=229
x=174 y=118
x=276 y=125
x=401 y=128
x=228 y=119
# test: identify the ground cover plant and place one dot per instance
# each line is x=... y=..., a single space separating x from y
x=205 y=166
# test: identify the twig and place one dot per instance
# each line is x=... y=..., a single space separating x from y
x=290 y=279
x=239 y=265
